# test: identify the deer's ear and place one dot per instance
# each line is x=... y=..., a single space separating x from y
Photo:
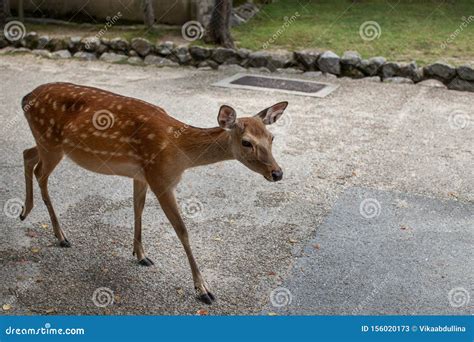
x=273 y=113
x=226 y=117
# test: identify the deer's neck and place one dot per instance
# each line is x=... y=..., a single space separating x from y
x=203 y=146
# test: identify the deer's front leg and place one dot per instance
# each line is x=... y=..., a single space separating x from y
x=139 y=196
x=170 y=208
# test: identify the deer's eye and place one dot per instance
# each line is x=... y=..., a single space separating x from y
x=273 y=137
x=246 y=143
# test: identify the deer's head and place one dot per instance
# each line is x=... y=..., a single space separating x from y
x=251 y=141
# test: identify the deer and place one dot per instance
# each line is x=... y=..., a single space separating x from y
x=112 y=134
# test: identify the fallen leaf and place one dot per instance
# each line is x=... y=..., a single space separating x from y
x=316 y=246
x=44 y=225
x=50 y=310
x=453 y=194
x=272 y=314
x=354 y=173
x=271 y=273
x=6 y=307
x=216 y=238
x=202 y=312
x=180 y=292
x=35 y=250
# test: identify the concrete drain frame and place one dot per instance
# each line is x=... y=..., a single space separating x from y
x=286 y=85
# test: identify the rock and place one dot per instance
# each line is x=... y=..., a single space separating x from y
x=132 y=53
x=465 y=72
x=165 y=49
x=329 y=62
x=350 y=62
x=261 y=70
x=208 y=64
x=313 y=74
x=271 y=61
x=42 y=52
x=135 y=60
x=6 y=50
x=243 y=53
x=440 y=70
x=390 y=69
x=159 y=61
x=102 y=48
x=329 y=77
x=398 y=80
x=181 y=55
x=431 y=83
x=199 y=53
x=351 y=58
x=56 y=44
x=85 y=56
x=111 y=57
x=75 y=44
x=372 y=79
x=411 y=71
x=31 y=40
x=372 y=65
x=119 y=44
x=42 y=42
x=307 y=58
x=142 y=46
x=220 y=55
x=20 y=50
x=62 y=54
x=288 y=71
x=90 y=44
x=460 y=84
x=234 y=68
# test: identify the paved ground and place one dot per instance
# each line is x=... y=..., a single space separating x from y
x=408 y=149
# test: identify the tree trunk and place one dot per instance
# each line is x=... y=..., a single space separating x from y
x=3 y=14
x=148 y=13
x=218 y=30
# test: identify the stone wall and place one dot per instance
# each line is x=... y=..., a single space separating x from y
x=140 y=51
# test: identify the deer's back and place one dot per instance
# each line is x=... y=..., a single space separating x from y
x=97 y=127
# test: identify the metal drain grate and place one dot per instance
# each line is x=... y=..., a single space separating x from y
x=280 y=84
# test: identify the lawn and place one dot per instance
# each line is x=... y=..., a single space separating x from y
x=410 y=30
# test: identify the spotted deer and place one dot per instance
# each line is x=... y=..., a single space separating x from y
x=117 y=135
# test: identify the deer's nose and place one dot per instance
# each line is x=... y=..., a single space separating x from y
x=277 y=175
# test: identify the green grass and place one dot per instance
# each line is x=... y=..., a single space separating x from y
x=411 y=30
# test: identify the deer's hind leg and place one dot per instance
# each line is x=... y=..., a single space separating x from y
x=30 y=158
x=48 y=160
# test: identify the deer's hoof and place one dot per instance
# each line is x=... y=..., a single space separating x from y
x=65 y=243
x=207 y=298
x=146 y=262
x=22 y=216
